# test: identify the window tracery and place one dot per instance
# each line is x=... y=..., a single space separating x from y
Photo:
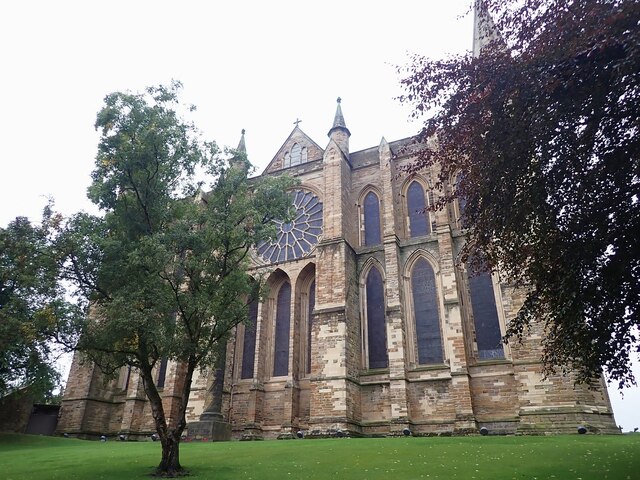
x=296 y=154
x=426 y=314
x=297 y=237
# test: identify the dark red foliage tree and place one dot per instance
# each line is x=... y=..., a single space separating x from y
x=542 y=128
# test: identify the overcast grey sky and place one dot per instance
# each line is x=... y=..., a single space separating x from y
x=257 y=65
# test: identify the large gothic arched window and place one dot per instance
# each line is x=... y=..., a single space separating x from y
x=376 y=334
x=418 y=217
x=249 y=341
x=426 y=313
x=162 y=372
x=311 y=306
x=371 y=214
x=485 y=317
x=281 y=337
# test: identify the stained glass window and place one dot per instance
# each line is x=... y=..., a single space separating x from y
x=425 y=309
x=283 y=319
x=249 y=342
x=371 y=219
x=485 y=317
x=418 y=218
x=312 y=304
x=162 y=373
x=376 y=331
x=297 y=237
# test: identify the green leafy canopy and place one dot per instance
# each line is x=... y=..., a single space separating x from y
x=164 y=270
x=34 y=313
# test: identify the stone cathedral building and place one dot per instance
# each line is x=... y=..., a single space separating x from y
x=371 y=325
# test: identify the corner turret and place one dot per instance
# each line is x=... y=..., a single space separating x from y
x=240 y=158
x=241 y=145
x=339 y=132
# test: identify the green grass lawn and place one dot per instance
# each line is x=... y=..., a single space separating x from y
x=556 y=457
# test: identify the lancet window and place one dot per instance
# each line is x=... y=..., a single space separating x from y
x=485 y=317
x=162 y=373
x=249 y=341
x=426 y=314
x=281 y=337
x=310 y=307
x=418 y=217
x=371 y=219
x=297 y=155
x=375 y=334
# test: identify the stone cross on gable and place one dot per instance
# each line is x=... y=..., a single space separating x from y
x=297 y=122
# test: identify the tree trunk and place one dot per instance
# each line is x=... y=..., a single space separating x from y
x=169 y=438
x=170 y=463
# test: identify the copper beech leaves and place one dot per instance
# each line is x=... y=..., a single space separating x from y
x=542 y=131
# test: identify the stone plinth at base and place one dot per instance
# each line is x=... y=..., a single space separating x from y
x=212 y=429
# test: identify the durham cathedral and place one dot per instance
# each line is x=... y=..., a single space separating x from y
x=371 y=326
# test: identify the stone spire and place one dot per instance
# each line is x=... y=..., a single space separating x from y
x=241 y=146
x=484 y=30
x=338 y=121
x=339 y=132
x=240 y=160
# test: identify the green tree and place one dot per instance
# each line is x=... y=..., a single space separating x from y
x=165 y=269
x=33 y=310
x=542 y=130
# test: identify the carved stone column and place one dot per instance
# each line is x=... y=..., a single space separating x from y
x=212 y=425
